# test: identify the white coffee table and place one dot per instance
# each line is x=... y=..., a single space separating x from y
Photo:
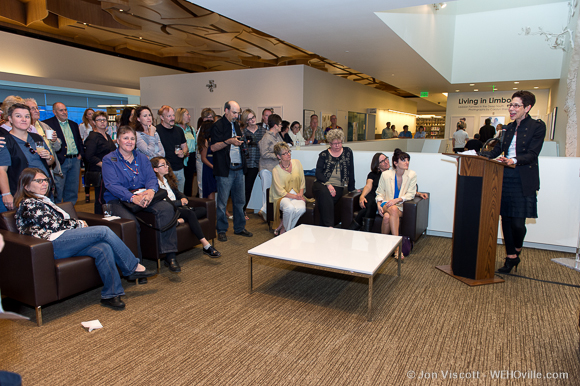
x=330 y=249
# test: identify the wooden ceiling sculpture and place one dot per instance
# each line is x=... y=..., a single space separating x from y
x=173 y=33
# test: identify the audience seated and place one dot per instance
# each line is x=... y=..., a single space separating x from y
x=395 y=187
x=334 y=174
x=129 y=178
x=287 y=192
x=38 y=216
x=168 y=181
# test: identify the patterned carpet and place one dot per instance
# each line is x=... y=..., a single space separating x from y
x=303 y=327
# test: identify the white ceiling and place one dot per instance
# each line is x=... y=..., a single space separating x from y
x=350 y=33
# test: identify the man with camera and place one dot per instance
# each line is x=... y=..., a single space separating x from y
x=229 y=166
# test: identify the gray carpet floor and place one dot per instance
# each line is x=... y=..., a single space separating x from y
x=303 y=327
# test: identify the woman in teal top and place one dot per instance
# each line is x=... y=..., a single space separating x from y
x=182 y=119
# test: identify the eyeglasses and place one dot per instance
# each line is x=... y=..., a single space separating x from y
x=32 y=151
x=514 y=105
x=385 y=160
x=40 y=180
x=250 y=118
x=101 y=120
x=162 y=166
x=287 y=153
x=336 y=143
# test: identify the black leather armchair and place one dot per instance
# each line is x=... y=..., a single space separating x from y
x=30 y=274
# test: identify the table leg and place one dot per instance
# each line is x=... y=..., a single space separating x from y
x=250 y=274
x=399 y=259
x=370 y=302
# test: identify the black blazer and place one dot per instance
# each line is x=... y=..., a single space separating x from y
x=53 y=123
x=222 y=131
x=529 y=142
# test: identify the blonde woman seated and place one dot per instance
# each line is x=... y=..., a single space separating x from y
x=287 y=189
x=395 y=187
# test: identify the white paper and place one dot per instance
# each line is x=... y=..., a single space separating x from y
x=468 y=152
x=111 y=218
x=92 y=324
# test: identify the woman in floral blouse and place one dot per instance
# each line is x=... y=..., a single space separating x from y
x=39 y=217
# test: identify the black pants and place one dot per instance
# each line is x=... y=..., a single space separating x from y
x=369 y=211
x=514 y=232
x=99 y=191
x=189 y=172
x=163 y=212
x=325 y=202
x=251 y=175
x=190 y=217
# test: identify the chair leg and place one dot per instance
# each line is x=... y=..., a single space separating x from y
x=38 y=316
x=158 y=265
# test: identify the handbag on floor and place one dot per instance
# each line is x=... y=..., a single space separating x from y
x=407 y=246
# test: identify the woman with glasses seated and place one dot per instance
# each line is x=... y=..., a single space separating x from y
x=168 y=181
x=97 y=145
x=367 y=199
x=395 y=187
x=22 y=150
x=38 y=216
x=295 y=135
x=334 y=174
x=287 y=191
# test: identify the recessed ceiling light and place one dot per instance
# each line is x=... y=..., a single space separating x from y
x=120 y=10
x=476 y=89
x=516 y=82
x=536 y=87
x=515 y=88
x=456 y=90
x=472 y=84
x=345 y=51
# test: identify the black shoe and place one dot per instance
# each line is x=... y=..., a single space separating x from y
x=509 y=264
x=141 y=275
x=143 y=280
x=211 y=252
x=172 y=263
x=244 y=233
x=222 y=237
x=354 y=226
x=115 y=303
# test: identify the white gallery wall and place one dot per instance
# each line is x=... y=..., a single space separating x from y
x=251 y=88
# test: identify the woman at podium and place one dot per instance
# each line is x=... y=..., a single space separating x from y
x=522 y=142
x=395 y=187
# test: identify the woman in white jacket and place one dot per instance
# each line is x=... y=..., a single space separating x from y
x=395 y=187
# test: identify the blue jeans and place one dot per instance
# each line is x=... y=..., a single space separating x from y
x=106 y=248
x=233 y=183
x=180 y=174
x=67 y=186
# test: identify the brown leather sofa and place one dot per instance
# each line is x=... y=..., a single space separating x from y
x=413 y=223
x=30 y=274
x=312 y=216
x=185 y=238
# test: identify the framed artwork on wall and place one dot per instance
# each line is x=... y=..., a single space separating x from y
x=306 y=118
x=495 y=120
x=470 y=125
x=324 y=120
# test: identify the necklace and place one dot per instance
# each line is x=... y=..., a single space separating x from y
x=287 y=168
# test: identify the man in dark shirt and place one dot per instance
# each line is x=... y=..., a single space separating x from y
x=474 y=144
x=174 y=143
x=229 y=166
x=486 y=132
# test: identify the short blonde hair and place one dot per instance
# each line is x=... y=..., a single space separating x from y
x=280 y=147
x=245 y=114
x=8 y=102
x=335 y=134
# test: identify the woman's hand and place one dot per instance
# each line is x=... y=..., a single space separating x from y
x=152 y=130
x=394 y=201
x=331 y=190
x=8 y=201
x=380 y=209
x=54 y=136
x=184 y=201
x=300 y=196
x=362 y=202
x=43 y=153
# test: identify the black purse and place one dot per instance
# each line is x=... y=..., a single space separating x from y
x=94 y=178
x=160 y=195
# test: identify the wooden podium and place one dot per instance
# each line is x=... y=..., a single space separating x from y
x=477 y=204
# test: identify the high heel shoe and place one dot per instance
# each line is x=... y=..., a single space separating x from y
x=509 y=264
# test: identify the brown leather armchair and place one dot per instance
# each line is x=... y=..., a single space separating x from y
x=30 y=274
x=413 y=223
x=312 y=216
x=185 y=238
